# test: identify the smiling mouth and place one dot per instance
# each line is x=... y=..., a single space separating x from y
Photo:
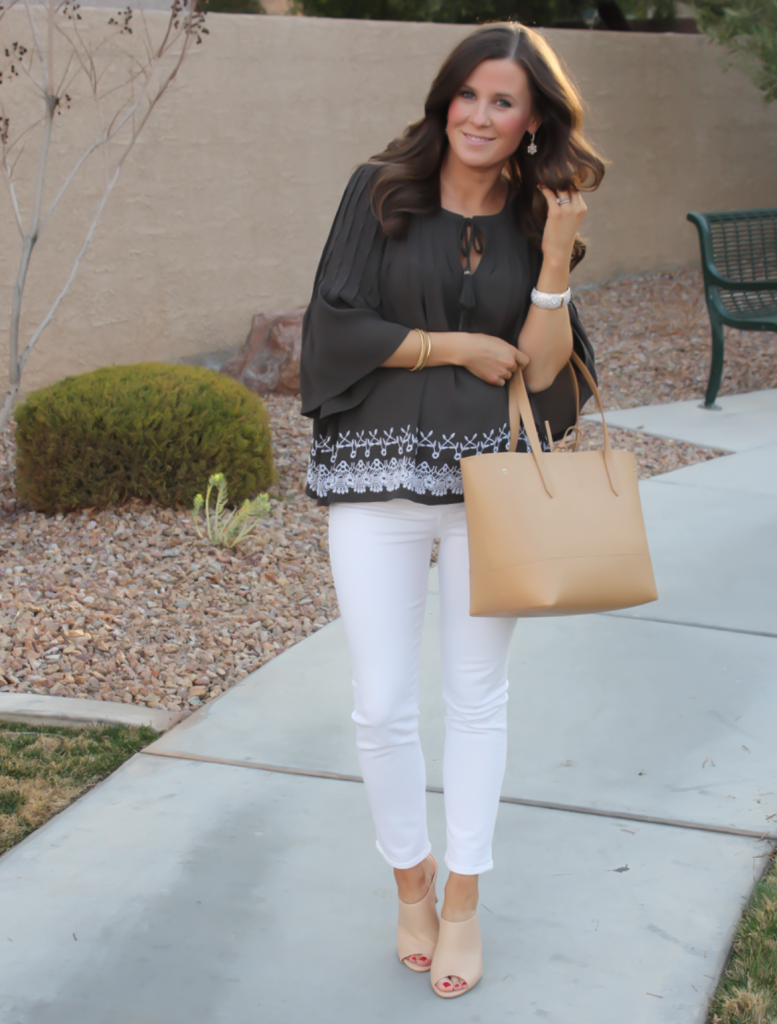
x=478 y=140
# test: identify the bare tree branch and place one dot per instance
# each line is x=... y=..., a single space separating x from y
x=52 y=10
x=73 y=271
x=122 y=109
x=30 y=127
x=7 y=7
x=109 y=135
x=10 y=397
x=12 y=193
x=28 y=72
x=38 y=47
x=69 y=180
x=61 y=88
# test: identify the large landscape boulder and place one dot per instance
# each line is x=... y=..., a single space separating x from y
x=268 y=362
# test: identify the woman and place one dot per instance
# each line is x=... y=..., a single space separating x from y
x=423 y=307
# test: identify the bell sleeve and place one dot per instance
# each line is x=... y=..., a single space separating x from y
x=345 y=340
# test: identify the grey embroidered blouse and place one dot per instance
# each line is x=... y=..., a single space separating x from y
x=381 y=433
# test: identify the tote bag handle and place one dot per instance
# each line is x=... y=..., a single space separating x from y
x=520 y=410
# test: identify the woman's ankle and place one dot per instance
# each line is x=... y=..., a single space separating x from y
x=461 y=897
x=413 y=883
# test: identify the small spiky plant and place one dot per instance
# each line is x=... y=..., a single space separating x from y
x=226 y=531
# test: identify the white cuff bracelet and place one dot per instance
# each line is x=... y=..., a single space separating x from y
x=551 y=300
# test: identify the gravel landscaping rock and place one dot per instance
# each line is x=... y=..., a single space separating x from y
x=651 y=335
x=127 y=604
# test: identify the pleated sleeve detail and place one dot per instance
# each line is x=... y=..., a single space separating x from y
x=345 y=339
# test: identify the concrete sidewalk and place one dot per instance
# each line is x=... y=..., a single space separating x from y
x=39 y=709
x=737 y=423
x=228 y=873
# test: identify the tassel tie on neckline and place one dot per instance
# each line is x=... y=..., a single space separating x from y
x=470 y=237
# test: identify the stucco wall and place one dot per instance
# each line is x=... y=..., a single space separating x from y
x=225 y=204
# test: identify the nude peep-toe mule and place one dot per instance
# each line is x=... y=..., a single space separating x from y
x=418 y=926
x=458 y=954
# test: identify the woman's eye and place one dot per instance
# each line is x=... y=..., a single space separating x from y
x=505 y=103
x=466 y=94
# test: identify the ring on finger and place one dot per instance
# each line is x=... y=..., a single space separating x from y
x=562 y=201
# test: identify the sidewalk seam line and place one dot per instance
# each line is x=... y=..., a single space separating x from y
x=691 y=625
x=520 y=801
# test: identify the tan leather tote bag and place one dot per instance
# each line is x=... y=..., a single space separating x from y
x=554 y=533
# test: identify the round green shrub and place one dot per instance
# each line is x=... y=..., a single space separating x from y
x=150 y=430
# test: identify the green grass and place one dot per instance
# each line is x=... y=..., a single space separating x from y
x=43 y=768
x=747 y=993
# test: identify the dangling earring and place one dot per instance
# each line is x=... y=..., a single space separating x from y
x=532 y=147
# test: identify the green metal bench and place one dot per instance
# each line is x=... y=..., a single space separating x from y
x=739 y=261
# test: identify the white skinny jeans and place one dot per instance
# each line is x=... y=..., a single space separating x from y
x=380 y=562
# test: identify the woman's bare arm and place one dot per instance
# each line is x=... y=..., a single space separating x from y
x=546 y=336
x=491 y=359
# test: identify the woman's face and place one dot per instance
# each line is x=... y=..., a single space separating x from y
x=490 y=114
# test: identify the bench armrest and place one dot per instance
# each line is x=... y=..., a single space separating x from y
x=738 y=286
x=711 y=275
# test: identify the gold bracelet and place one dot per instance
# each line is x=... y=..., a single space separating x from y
x=423 y=356
x=428 y=348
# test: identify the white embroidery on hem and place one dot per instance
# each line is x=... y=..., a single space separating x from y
x=409 y=441
x=403 y=473
x=393 y=475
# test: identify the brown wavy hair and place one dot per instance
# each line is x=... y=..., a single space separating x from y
x=407 y=181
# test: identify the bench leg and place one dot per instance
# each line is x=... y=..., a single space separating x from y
x=716 y=367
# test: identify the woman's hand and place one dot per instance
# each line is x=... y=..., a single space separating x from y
x=562 y=225
x=491 y=359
